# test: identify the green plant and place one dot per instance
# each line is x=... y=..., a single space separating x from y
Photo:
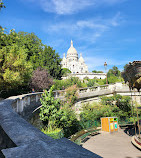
x=116 y=105
x=71 y=95
x=67 y=120
x=54 y=133
x=50 y=106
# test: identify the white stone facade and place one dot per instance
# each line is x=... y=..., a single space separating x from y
x=73 y=63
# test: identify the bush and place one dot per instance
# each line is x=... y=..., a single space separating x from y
x=91 y=83
x=54 y=115
x=50 y=106
x=55 y=134
x=116 y=105
x=68 y=121
x=71 y=95
x=41 y=79
x=63 y=84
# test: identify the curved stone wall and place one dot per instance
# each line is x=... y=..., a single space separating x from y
x=26 y=140
x=23 y=140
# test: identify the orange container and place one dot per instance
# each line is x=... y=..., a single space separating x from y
x=109 y=124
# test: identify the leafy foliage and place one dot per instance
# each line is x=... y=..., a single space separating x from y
x=54 y=133
x=50 y=106
x=71 y=95
x=15 y=70
x=116 y=105
x=114 y=75
x=95 y=71
x=20 y=54
x=91 y=83
x=65 y=71
x=51 y=61
x=68 y=121
x=55 y=115
x=63 y=84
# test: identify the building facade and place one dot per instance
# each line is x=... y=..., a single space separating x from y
x=75 y=64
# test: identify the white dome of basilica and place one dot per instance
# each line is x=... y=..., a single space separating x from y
x=72 y=62
x=72 y=50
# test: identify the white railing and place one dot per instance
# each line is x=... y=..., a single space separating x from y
x=22 y=101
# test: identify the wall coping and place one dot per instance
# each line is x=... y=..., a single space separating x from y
x=30 y=141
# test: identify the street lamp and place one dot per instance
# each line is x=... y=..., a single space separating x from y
x=105 y=65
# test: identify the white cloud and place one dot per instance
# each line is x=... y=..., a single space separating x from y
x=64 y=7
x=87 y=30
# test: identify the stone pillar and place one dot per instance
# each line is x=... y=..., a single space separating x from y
x=37 y=98
x=88 y=90
x=22 y=104
x=98 y=88
x=18 y=102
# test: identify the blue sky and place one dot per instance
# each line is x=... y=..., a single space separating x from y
x=102 y=30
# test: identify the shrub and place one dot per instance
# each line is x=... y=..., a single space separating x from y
x=116 y=105
x=68 y=121
x=71 y=95
x=50 y=106
x=55 y=134
x=63 y=84
x=41 y=79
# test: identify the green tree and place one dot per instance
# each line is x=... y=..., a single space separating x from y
x=21 y=53
x=91 y=82
x=14 y=67
x=114 y=75
x=50 y=60
x=114 y=71
x=65 y=71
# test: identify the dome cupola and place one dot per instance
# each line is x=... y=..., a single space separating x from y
x=72 y=51
x=81 y=60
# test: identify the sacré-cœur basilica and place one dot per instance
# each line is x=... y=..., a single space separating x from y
x=77 y=65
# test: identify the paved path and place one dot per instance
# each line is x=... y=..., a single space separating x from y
x=115 y=145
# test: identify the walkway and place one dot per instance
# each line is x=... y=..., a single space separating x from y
x=115 y=145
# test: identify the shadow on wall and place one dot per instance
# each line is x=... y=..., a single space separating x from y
x=5 y=142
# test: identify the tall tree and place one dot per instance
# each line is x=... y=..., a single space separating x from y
x=51 y=61
x=114 y=75
x=14 y=67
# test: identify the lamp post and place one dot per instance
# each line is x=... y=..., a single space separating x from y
x=105 y=65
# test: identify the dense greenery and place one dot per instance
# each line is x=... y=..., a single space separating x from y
x=114 y=75
x=63 y=84
x=117 y=105
x=61 y=115
x=71 y=95
x=55 y=114
x=65 y=72
x=95 y=71
x=54 y=133
x=20 y=54
x=49 y=60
